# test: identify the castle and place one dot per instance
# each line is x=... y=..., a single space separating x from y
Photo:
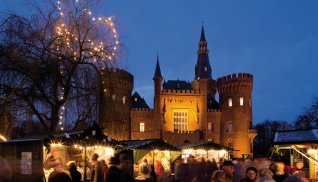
x=183 y=111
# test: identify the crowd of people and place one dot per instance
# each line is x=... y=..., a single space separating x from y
x=119 y=169
x=238 y=171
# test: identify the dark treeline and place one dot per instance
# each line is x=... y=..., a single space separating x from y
x=263 y=143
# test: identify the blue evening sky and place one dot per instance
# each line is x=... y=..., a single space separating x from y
x=275 y=40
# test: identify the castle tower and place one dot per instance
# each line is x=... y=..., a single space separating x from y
x=116 y=105
x=157 y=78
x=235 y=92
x=203 y=81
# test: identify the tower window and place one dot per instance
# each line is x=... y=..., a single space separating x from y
x=230 y=102
x=124 y=100
x=142 y=127
x=180 y=119
x=205 y=68
x=241 y=101
x=210 y=127
x=229 y=127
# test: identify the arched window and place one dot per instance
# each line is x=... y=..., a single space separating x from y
x=230 y=143
x=124 y=99
x=229 y=127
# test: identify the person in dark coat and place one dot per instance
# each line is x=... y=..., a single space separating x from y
x=114 y=173
x=251 y=175
x=59 y=176
x=75 y=174
x=228 y=168
x=280 y=174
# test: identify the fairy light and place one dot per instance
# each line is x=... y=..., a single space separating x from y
x=64 y=32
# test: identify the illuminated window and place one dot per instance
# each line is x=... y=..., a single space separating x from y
x=180 y=119
x=210 y=140
x=124 y=100
x=241 y=101
x=114 y=97
x=205 y=68
x=136 y=99
x=142 y=127
x=210 y=127
x=229 y=127
x=230 y=102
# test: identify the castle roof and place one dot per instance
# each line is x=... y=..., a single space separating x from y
x=203 y=68
x=138 y=102
x=157 y=71
x=177 y=85
x=296 y=136
x=202 y=38
x=212 y=103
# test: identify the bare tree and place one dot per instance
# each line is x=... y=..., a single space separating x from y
x=50 y=62
x=263 y=143
x=309 y=119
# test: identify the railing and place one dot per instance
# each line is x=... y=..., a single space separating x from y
x=309 y=157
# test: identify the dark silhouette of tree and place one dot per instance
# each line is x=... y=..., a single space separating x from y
x=263 y=142
x=50 y=62
x=309 y=119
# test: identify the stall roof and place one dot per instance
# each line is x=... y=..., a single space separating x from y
x=149 y=144
x=296 y=136
x=203 y=145
x=20 y=140
x=91 y=136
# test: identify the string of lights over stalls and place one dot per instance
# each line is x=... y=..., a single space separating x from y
x=100 y=51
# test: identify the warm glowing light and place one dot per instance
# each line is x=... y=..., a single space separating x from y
x=3 y=138
x=312 y=151
x=187 y=151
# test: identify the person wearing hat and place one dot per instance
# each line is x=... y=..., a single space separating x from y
x=251 y=175
x=228 y=168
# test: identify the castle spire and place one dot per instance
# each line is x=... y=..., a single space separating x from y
x=203 y=69
x=202 y=35
x=157 y=71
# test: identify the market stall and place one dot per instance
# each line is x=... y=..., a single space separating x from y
x=302 y=146
x=78 y=147
x=206 y=150
x=158 y=153
x=33 y=158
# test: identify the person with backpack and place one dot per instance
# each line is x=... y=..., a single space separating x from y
x=145 y=170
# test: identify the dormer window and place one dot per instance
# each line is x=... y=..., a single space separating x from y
x=136 y=99
x=205 y=68
x=178 y=85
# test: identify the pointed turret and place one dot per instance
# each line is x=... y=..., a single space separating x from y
x=203 y=69
x=157 y=71
x=202 y=35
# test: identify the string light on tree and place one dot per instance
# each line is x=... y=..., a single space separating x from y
x=94 y=48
